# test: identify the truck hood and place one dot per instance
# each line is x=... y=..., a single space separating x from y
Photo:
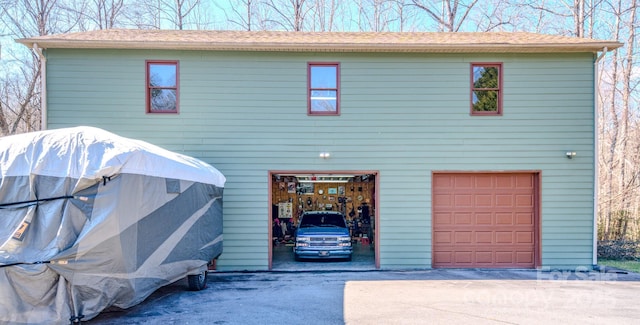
x=323 y=231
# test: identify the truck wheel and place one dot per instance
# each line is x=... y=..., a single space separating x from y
x=198 y=281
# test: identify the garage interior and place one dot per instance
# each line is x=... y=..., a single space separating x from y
x=351 y=194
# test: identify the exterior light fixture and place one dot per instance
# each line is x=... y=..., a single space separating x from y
x=571 y=154
x=325 y=155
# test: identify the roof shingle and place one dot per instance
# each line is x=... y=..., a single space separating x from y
x=426 y=42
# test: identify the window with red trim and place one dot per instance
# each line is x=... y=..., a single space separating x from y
x=486 y=89
x=323 y=89
x=162 y=86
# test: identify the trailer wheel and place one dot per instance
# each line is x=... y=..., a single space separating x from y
x=198 y=281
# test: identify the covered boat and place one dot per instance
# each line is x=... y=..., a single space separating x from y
x=89 y=220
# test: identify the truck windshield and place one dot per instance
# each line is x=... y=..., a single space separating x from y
x=322 y=220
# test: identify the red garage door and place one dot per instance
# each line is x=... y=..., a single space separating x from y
x=484 y=220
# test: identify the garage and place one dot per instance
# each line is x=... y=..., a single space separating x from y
x=351 y=194
x=485 y=220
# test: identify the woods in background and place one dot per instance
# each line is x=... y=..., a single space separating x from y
x=619 y=72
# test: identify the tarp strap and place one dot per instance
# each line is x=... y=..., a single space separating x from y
x=76 y=319
x=20 y=263
x=29 y=202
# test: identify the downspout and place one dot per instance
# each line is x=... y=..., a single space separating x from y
x=596 y=125
x=43 y=85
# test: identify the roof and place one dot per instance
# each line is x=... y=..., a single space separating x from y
x=424 y=42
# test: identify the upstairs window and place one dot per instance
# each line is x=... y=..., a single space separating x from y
x=162 y=87
x=486 y=89
x=323 y=89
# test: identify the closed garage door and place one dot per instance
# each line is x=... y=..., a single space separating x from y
x=484 y=220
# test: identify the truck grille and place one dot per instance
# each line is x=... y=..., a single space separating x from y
x=323 y=241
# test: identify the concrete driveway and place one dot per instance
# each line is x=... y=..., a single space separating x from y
x=387 y=297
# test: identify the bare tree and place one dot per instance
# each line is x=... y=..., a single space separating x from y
x=289 y=14
x=20 y=95
x=579 y=11
x=98 y=14
x=626 y=114
x=20 y=101
x=405 y=16
x=619 y=209
x=169 y=14
x=24 y=18
x=325 y=15
x=450 y=15
x=241 y=13
x=494 y=15
x=378 y=15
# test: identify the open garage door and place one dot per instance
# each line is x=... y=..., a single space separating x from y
x=351 y=194
x=486 y=220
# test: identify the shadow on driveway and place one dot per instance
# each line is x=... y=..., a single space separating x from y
x=444 y=296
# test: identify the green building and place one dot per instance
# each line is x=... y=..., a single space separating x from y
x=464 y=150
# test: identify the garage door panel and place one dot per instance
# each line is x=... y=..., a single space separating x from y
x=443 y=218
x=442 y=181
x=463 y=237
x=463 y=200
x=504 y=200
x=484 y=237
x=524 y=237
x=524 y=257
x=464 y=218
x=483 y=181
x=469 y=256
x=504 y=237
x=463 y=257
x=462 y=182
x=524 y=201
x=496 y=230
x=525 y=181
x=443 y=200
x=442 y=237
x=483 y=218
x=504 y=181
x=504 y=218
x=524 y=219
x=443 y=257
x=505 y=257
x=483 y=200
x=484 y=257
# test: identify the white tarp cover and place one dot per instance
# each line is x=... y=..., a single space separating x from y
x=89 y=220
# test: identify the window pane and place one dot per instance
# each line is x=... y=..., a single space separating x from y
x=162 y=75
x=485 y=77
x=485 y=101
x=163 y=100
x=323 y=101
x=324 y=77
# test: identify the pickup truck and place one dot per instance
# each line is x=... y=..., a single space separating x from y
x=322 y=235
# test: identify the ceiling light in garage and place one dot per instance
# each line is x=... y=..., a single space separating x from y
x=324 y=178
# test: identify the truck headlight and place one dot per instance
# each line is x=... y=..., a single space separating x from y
x=344 y=241
x=302 y=241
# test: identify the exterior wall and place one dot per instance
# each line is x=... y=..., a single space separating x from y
x=404 y=115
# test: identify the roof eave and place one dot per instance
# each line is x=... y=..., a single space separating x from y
x=325 y=47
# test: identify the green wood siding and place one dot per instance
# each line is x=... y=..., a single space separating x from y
x=404 y=115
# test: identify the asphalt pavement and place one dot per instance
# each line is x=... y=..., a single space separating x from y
x=444 y=296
